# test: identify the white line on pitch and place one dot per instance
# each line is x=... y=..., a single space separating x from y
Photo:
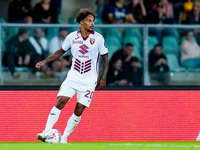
x=154 y=145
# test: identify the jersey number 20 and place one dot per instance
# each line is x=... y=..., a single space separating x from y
x=89 y=94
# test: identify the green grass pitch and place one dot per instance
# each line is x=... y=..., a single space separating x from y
x=101 y=146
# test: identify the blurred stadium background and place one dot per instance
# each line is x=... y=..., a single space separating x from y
x=116 y=37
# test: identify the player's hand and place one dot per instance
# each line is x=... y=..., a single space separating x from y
x=102 y=84
x=40 y=64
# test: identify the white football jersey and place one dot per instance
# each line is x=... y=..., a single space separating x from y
x=85 y=52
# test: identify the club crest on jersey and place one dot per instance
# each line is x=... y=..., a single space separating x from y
x=92 y=41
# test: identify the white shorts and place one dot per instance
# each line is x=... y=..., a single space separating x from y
x=84 y=92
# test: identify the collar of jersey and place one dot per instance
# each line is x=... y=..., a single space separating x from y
x=79 y=32
x=118 y=5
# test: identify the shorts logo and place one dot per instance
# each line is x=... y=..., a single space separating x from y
x=92 y=41
x=83 y=49
x=52 y=114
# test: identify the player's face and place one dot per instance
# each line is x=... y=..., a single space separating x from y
x=88 y=23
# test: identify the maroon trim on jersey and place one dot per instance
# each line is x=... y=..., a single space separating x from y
x=75 y=65
x=63 y=49
x=87 y=64
x=82 y=67
x=88 y=67
x=92 y=32
x=87 y=70
x=104 y=54
x=79 y=31
x=76 y=69
x=78 y=60
x=97 y=63
x=88 y=61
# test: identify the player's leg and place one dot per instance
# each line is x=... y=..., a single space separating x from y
x=84 y=98
x=54 y=115
x=73 y=121
x=198 y=137
x=55 y=111
x=64 y=95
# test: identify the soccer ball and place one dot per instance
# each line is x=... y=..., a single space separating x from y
x=52 y=136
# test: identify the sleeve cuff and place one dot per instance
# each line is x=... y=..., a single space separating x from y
x=104 y=54
x=63 y=49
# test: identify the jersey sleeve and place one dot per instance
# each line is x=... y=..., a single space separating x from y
x=67 y=43
x=102 y=47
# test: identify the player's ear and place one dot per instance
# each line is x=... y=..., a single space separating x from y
x=81 y=22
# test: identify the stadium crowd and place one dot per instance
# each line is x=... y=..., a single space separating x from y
x=111 y=11
x=125 y=68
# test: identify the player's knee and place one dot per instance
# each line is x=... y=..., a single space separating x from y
x=79 y=106
x=79 y=109
x=61 y=102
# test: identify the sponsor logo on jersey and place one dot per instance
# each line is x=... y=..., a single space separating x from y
x=83 y=49
x=77 y=37
x=82 y=56
x=77 y=42
x=92 y=41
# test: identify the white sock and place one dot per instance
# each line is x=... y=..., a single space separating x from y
x=53 y=118
x=71 y=125
x=198 y=138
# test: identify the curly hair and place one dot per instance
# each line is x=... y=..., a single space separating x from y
x=83 y=13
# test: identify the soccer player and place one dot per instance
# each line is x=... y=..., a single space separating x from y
x=86 y=45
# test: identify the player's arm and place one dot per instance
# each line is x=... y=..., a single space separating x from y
x=57 y=54
x=105 y=65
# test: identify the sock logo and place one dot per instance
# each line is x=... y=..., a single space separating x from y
x=52 y=114
x=75 y=120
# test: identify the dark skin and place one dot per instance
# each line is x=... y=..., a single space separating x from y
x=87 y=25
